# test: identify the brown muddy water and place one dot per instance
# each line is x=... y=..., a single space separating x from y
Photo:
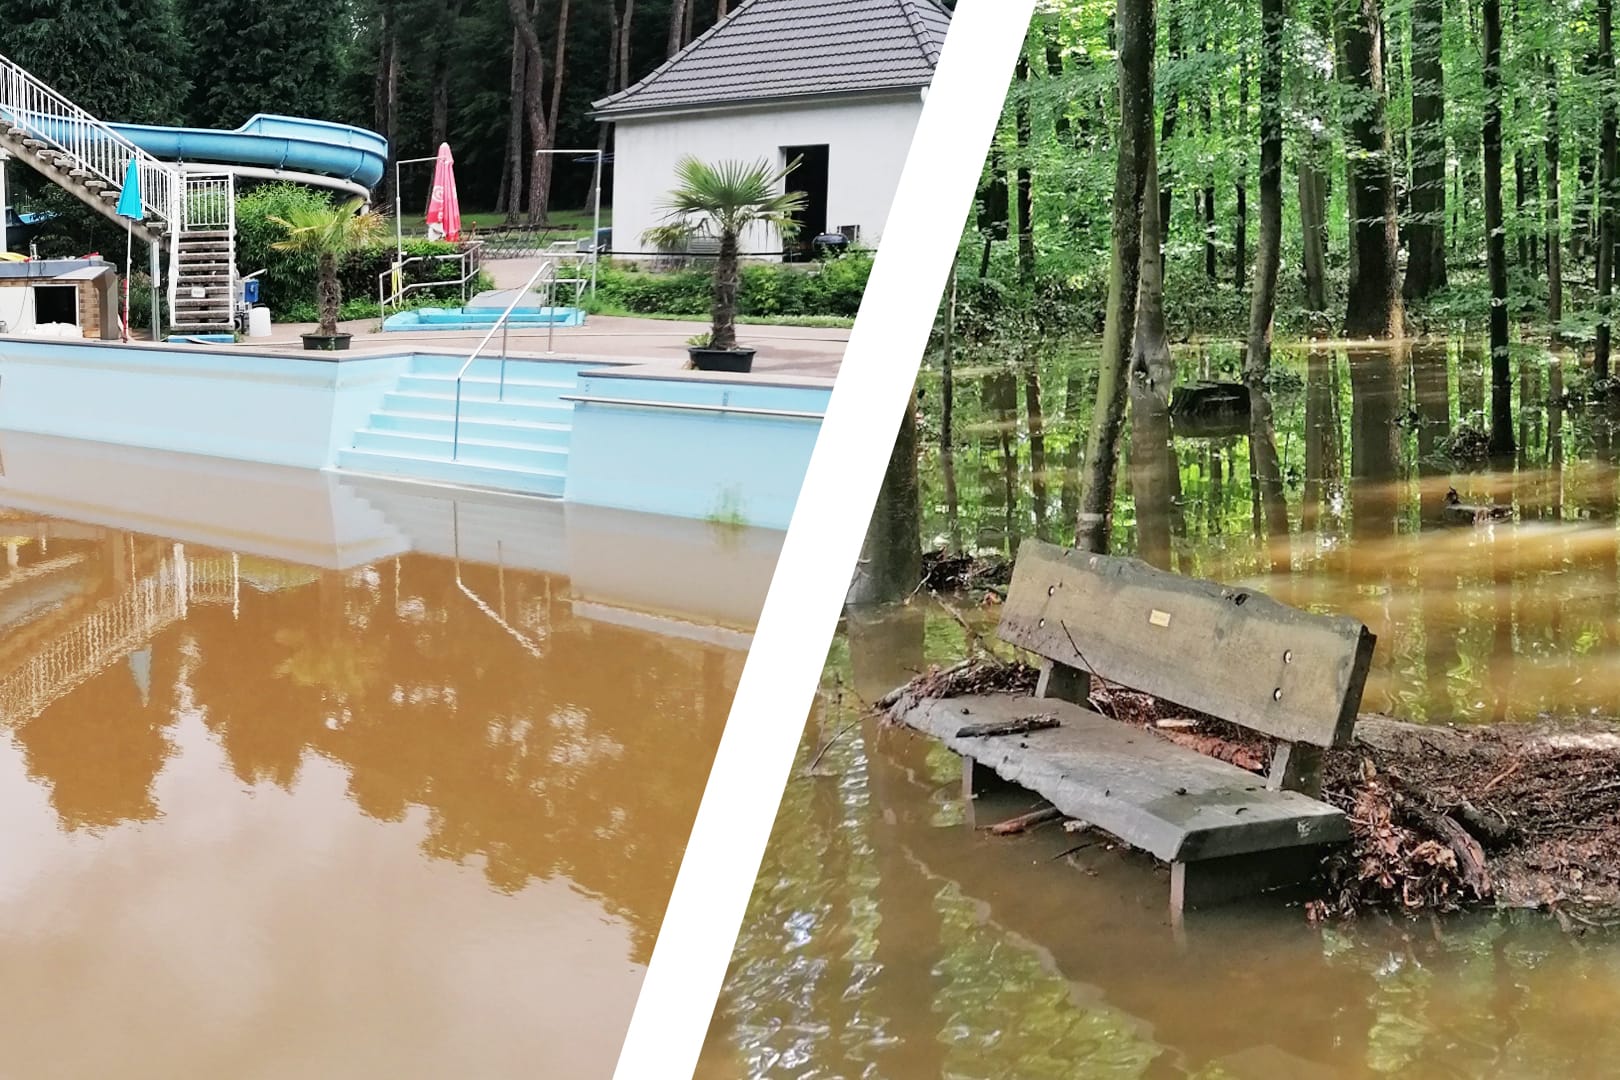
x=341 y=814
x=887 y=938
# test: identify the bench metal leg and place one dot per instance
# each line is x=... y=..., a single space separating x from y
x=1209 y=882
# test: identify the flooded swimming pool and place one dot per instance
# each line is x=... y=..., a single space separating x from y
x=887 y=938
x=413 y=815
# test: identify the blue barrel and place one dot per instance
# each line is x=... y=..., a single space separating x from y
x=250 y=291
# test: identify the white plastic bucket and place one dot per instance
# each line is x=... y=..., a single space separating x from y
x=258 y=322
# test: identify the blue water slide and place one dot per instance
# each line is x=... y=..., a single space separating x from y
x=286 y=143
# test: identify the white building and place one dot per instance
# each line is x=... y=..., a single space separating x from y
x=838 y=84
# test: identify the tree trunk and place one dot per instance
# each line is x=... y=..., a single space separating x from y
x=1268 y=257
x=387 y=92
x=1426 y=258
x=1172 y=109
x=1026 y=201
x=1374 y=308
x=1521 y=237
x=328 y=293
x=1606 y=192
x=947 y=422
x=890 y=565
x=514 y=129
x=1555 y=255
x=1054 y=69
x=624 y=42
x=723 y=311
x=1313 y=226
x=1496 y=236
x=534 y=112
x=1583 y=224
x=677 y=26
x=1151 y=363
x=1036 y=421
x=1240 y=230
x=559 y=66
x=1134 y=27
x=441 y=74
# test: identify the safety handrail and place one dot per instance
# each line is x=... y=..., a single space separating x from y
x=44 y=114
x=470 y=267
x=500 y=324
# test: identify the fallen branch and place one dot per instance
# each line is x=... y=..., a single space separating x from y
x=1024 y=822
x=1019 y=726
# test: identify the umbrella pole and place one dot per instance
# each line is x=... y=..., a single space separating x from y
x=129 y=270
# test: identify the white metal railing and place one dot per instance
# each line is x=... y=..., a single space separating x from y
x=35 y=111
x=391 y=286
x=210 y=203
x=547 y=270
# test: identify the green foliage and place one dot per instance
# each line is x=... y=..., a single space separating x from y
x=280 y=56
x=289 y=276
x=833 y=287
x=120 y=59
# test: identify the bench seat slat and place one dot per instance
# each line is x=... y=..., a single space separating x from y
x=1229 y=652
x=1168 y=800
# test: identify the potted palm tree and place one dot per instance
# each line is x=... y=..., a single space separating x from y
x=722 y=200
x=328 y=233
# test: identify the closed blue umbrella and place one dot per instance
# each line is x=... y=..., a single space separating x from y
x=129 y=206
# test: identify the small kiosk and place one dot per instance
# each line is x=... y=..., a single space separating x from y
x=59 y=298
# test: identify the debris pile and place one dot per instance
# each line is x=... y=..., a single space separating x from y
x=947 y=573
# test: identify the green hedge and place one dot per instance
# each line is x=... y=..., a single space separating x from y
x=833 y=287
x=287 y=286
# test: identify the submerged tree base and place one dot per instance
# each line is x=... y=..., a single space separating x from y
x=1442 y=818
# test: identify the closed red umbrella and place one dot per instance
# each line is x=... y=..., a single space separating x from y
x=444 y=209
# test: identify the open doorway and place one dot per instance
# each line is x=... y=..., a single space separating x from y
x=56 y=304
x=810 y=180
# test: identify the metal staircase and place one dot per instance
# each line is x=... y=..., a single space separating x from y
x=193 y=212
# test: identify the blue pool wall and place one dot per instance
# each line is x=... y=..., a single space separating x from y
x=730 y=468
x=736 y=468
x=227 y=402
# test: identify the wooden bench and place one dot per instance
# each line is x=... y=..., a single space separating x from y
x=1232 y=653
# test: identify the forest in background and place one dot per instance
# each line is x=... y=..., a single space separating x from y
x=495 y=78
x=1424 y=101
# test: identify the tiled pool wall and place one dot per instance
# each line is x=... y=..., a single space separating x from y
x=228 y=403
x=694 y=446
x=682 y=444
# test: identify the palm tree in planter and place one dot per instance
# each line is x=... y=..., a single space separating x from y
x=328 y=233
x=723 y=200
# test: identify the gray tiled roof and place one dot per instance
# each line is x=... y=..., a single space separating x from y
x=773 y=49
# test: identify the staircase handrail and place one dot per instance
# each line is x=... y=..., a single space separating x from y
x=545 y=266
x=107 y=154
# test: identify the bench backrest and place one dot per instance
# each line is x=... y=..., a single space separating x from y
x=1232 y=653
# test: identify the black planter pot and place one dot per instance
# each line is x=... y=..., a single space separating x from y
x=326 y=342
x=706 y=359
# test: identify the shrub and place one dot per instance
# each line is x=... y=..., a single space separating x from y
x=288 y=281
x=831 y=288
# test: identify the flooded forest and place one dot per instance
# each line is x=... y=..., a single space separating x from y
x=1309 y=298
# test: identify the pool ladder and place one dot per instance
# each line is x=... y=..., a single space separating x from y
x=547 y=271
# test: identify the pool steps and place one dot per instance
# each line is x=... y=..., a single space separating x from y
x=516 y=439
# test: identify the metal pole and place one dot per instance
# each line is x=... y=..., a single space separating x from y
x=3 y=203
x=596 y=224
x=156 y=258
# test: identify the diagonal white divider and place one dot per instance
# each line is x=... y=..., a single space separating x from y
x=840 y=489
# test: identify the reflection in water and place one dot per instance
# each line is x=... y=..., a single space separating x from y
x=887 y=938
x=416 y=818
